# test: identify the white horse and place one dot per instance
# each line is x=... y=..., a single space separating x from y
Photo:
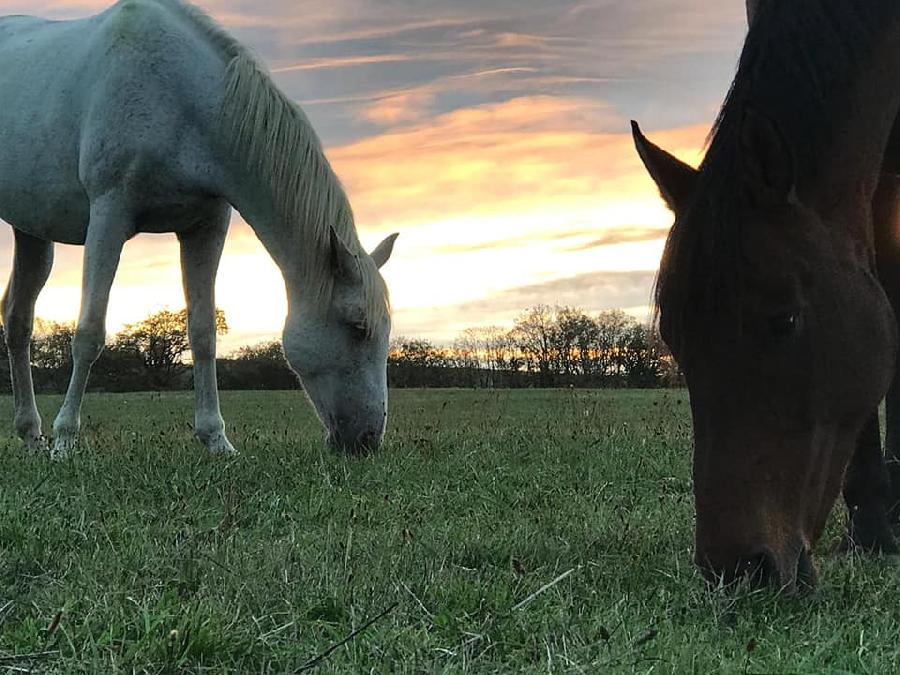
x=150 y=118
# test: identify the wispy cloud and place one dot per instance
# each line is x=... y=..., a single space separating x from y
x=512 y=242
x=528 y=193
x=503 y=157
x=622 y=235
x=408 y=106
x=388 y=30
x=590 y=291
x=344 y=62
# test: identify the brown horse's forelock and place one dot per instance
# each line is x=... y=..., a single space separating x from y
x=796 y=66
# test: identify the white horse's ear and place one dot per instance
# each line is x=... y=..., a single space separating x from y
x=382 y=252
x=344 y=264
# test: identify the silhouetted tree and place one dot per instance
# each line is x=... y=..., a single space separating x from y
x=612 y=327
x=641 y=363
x=161 y=341
x=51 y=354
x=261 y=366
x=51 y=344
x=535 y=336
x=575 y=341
x=418 y=363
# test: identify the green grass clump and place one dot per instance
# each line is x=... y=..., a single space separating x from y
x=163 y=559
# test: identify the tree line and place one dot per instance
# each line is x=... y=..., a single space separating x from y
x=546 y=347
x=151 y=354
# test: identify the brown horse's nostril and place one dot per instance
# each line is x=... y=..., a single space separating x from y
x=760 y=568
x=790 y=574
x=807 y=576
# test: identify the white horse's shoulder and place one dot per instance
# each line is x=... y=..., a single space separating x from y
x=129 y=23
x=13 y=23
x=130 y=17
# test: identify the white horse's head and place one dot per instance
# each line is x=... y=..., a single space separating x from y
x=340 y=351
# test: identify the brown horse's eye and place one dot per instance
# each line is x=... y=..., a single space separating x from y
x=784 y=325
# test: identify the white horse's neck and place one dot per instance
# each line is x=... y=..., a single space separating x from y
x=284 y=185
x=284 y=240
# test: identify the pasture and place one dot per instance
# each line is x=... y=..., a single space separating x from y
x=163 y=559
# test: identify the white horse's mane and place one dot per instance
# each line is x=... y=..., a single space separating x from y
x=273 y=136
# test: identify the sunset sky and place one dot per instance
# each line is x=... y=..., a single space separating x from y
x=492 y=135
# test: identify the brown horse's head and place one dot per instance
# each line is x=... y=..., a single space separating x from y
x=787 y=342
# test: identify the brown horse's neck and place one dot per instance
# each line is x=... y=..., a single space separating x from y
x=892 y=154
x=829 y=75
x=863 y=147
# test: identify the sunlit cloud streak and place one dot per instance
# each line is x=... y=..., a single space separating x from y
x=345 y=62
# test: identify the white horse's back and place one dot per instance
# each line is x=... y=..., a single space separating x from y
x=38 y=133
x=91 y=101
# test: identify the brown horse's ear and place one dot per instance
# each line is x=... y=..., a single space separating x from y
x=767 y=163
x=674 y=178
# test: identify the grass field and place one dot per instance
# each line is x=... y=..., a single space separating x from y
x=165 y=560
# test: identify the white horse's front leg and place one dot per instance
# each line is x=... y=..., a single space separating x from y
x=201 y=249
x=32 y=263
x=109 y=229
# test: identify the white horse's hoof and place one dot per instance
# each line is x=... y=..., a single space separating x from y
x=220 y=445
x=37 y=445
x=63 y=448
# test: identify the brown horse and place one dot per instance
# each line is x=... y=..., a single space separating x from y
x=776 y=288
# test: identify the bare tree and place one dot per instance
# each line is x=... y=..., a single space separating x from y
x=468 y=349
x=576 y=337
x=500 y=349
x=612 y=326
x=535 y=336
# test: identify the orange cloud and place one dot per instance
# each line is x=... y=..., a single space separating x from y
x=499 y=158
x=407 y=106
x=529 y=192
x=530 y=41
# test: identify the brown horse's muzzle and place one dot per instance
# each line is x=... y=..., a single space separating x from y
x=762 y=499
x=789 y=570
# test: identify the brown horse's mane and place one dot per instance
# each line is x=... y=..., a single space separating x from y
x=798 y=62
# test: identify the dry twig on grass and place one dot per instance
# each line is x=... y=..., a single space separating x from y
x=312 y=663
x=543 y=589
